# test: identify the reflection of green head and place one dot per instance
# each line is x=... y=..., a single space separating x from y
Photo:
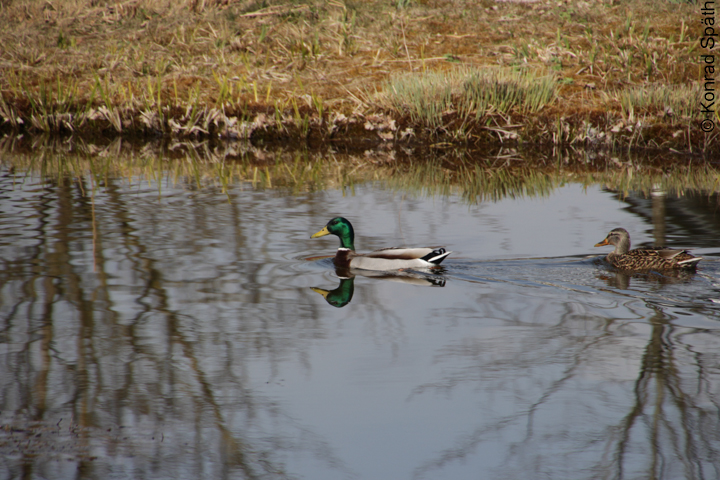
x=342 y=228
x=342 y=295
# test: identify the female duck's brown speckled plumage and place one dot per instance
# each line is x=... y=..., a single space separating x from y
x=646 y=258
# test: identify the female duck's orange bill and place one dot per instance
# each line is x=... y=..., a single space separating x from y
x=603 y=243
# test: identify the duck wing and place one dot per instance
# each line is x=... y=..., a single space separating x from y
x=656 y=258
x=396 y=258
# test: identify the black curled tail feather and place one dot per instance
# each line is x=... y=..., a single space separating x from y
x=436 y=256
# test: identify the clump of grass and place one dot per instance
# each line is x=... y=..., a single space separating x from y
x=429 y=98
x=424 y=97
x=672 y=100
x=507 y=90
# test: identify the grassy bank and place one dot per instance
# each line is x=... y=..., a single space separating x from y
x=604 y=73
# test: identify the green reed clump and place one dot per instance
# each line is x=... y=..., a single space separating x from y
x=53 y=105
x=429 y=98
x=672 y=100
x=424 y=97
x=507 y=90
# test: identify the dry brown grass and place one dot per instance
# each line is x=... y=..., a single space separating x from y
x=313 y=69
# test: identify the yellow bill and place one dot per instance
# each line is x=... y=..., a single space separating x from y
x=322 y=292
x=321 y=233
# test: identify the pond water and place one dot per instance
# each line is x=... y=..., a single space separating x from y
x=157 y=329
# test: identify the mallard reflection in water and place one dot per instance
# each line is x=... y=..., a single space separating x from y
x=342 y=295
x=381 y=260
x=623 y=279
x=645 y=258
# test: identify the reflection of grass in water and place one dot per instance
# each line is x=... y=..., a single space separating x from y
x=703 y=178
x=474 y=182
x=294 y=171
x=478 y=181
x=474 y=179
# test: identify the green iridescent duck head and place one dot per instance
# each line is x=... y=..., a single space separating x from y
x=342 y=228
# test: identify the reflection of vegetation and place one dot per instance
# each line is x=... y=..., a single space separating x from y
x=668 y=428
x=475 y=177
x=104 y=343
x=669 y=412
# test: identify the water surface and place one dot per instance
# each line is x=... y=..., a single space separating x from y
x=161 y=329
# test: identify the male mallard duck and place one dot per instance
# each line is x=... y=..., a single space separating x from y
x=647 y=258
x=385 y=259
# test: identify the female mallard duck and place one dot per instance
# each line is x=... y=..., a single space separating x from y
x=647 y=258
x=385 y=259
